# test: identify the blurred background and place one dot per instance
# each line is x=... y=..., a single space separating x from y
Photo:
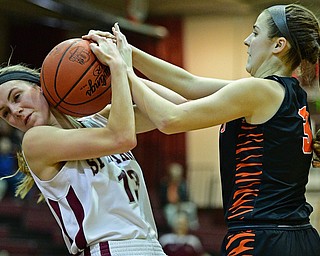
x=204 y=36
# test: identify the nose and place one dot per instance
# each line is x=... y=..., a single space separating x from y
x=247 y=40
x=16 y=110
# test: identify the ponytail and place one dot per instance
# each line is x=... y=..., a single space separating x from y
x=26 y=184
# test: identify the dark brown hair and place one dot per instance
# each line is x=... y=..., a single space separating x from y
x=304 y=29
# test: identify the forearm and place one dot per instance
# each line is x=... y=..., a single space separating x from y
x=142 y=122
x=174 y=77
x=156 y=108
x=121 y=116
x=162 y=72
x=165 y=92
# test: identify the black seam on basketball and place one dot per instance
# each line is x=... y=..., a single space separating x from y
x=57 y=70
x=77 y=113
x=83 y=74
x=92 y=98
x=84 y=102
x=64 y=100
x=82 y=113
x=44 y=86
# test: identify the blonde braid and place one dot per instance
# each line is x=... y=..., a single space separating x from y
x=26 y=184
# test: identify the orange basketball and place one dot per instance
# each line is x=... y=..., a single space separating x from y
x=73 y=80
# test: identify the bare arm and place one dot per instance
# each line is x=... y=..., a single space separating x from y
x=174 y=77
x=248 y=98
x=168 y=75
x=46 y=146
x=142 y=121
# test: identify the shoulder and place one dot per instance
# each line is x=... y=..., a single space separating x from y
x=35 y=135
x=253 y=91
x=255 y=83
x=36 y=146
x=270 y=97
x=262 y=97
x=261 y=87
x=251 y=85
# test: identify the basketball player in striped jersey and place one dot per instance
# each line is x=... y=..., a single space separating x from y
x=84 y=169
x=265 y=136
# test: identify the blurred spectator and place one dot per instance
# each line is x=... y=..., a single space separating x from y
x=4 y=253
x=180 y=242
x=8 y=166
x=14 y=134
x=10 y=140
x=175 y=198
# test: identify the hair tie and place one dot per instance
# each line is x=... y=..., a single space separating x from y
x=19 y=75
x=278 y=15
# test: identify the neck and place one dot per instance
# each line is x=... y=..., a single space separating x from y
x=273 y=66
x=63 y=120
x=279 y=70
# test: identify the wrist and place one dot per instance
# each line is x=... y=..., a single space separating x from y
x=134 y=51
x=117 y=64
x=130 y=70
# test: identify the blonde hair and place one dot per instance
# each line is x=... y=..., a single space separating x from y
x=19 y=67
x=26 y=184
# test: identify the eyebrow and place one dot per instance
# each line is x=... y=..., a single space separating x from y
x=9 y=94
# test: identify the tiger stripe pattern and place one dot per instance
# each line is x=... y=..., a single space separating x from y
x=248 y=171
x=240 y=243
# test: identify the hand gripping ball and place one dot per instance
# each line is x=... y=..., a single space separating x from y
x=73 y=80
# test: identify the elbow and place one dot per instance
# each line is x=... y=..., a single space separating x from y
x=168 y=125
x=131 y=143
x=126 y=142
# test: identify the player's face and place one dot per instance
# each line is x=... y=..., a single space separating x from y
x=23 y=105
x=259 y=48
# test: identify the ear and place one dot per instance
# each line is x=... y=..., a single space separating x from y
x=280 y=44
x=39 y=88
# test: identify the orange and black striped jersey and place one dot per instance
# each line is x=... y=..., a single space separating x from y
x=265 y=167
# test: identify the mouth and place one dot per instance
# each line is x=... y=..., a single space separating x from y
x=26 y=120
